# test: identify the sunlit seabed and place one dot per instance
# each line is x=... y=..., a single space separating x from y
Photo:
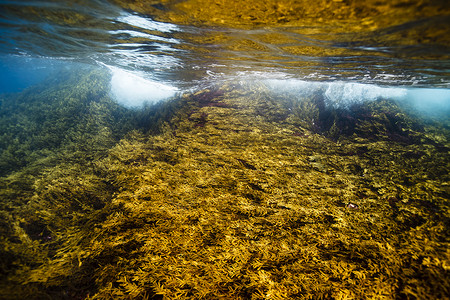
x=221 y=187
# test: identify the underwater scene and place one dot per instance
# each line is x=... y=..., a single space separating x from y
x=212 y=149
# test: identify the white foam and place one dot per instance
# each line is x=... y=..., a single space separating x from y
x=336 y=94
x=430 y=101
x=344 y=94
x=131 y=90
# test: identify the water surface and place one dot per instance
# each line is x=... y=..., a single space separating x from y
x=184 y=42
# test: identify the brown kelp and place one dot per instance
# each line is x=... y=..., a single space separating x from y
x=229 y=192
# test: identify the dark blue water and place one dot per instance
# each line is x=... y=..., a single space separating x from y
x=20 y=72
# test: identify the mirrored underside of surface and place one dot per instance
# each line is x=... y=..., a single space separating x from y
x=388 y=42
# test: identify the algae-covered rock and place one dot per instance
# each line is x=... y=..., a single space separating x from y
x=232 y=192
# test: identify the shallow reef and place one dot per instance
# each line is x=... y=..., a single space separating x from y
x=229 y=192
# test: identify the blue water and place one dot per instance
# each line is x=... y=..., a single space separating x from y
x=20 y=72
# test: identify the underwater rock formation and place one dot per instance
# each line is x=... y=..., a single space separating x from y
x=229 y=192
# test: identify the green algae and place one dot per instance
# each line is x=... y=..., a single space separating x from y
x=226 y=193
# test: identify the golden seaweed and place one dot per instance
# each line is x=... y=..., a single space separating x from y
x=226 y=193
